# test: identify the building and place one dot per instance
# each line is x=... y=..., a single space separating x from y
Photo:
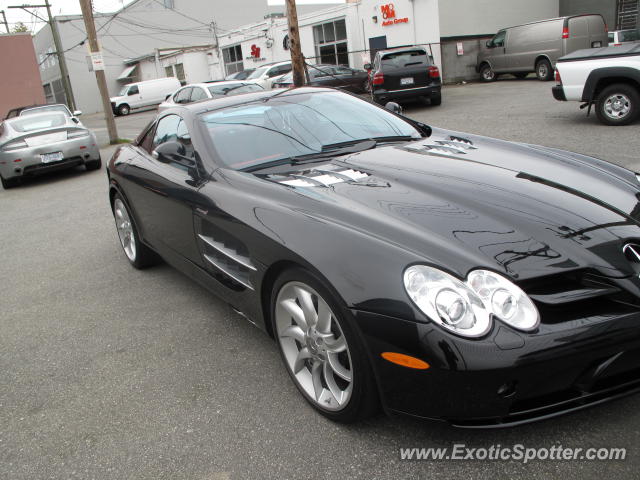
x=143 y=29
x=21 y=84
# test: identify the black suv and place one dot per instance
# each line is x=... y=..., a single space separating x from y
x=404 y=73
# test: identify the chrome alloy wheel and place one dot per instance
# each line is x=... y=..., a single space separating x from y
x=125 y=229
x=313 y=345
x=617 y=106
x=543 y=70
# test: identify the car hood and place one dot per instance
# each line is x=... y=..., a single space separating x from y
x=466 y=201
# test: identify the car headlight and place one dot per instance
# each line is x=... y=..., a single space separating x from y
x=466 y=308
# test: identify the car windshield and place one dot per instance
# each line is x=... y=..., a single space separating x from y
x=257 y=73
x=38 y=122
x=123 y=92
x=47 y=109
x=299 y=124
x=404 y=58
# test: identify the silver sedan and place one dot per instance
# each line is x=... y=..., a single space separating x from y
x=39 y=143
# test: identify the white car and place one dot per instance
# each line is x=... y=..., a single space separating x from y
x=143 y=94
x=202 y=91
x=267 y=74
x=619 y=37
x=607 y=78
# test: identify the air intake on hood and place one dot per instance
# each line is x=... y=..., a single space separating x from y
x=320 y=177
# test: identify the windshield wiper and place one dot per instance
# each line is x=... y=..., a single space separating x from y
x=360 y=146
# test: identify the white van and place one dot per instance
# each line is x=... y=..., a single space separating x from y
x=143 y=94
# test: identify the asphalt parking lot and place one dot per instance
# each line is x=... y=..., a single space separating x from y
x=111 y=372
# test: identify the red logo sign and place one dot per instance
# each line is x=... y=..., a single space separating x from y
x=255 y=51
x=388 y=11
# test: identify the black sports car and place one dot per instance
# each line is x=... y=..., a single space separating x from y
x=442 y=274
x=337 y=76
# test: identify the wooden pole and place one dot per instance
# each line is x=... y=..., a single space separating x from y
x=92 y=36
x=297 y=60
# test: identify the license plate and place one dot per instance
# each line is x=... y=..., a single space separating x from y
x=406 y=81
x=596 y=44
x=51 y=157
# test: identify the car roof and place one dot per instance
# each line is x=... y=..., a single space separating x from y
x=225 y=102
x=402 y=49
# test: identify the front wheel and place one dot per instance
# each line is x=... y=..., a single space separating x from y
x=124 y=110
x=618 y=104
x=487 y=74
x=544 y=71
x=320 y=349
x=138 y=254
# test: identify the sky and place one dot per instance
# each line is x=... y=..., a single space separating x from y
x=58 y=7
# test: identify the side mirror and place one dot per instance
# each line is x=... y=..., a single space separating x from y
x=174 y=152
x=367 y=66
x=489 y=44
x=77 y=113
x=393 y=107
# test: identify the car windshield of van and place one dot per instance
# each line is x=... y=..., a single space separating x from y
x=258 y=73
x=38 y=122
x=405 y=58
x=123 y=92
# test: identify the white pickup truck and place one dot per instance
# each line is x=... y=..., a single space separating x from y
x=608 y=78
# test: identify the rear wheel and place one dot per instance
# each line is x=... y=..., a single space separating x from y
x=8 y=183
x=487 y=74
x=618 y=104
x=320 y=349
x=124 y=110
x=138 y=254
x=93 y=164
x=544 y=71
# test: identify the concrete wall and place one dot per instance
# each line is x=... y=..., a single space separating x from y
x=479 y=17
x=21 y=80
x=606 y=8
x=457 y=68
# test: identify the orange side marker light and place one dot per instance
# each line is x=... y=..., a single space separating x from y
x=405 y=360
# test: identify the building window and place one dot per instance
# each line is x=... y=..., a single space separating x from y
x=180 y=73
x=48 y=93
x=168 y=71
x=232 y=57
x=330 y=41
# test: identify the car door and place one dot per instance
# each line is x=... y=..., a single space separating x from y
x=134 y=98
x=496 y=52
x=163 y=195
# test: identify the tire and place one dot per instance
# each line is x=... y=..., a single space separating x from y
x=138 y=254
x=93 y=164
x=124 y=109
x=521 y=75
x=365 y=86
x=436 y=100
x=332 y=370
x=618 y=104
x=544 y=70
x=12 y=182
x=487 y=74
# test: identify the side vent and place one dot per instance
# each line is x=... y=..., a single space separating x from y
x=233 y=265
x=319 y=177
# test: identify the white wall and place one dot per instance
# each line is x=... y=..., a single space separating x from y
x=478 y=17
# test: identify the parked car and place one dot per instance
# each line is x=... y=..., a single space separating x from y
x=323 y=75
x=395 y=261
x=619 y=37
x=203 y=91
x=242 y=75
x=608 y=78
x=265 y=75
x=143 y=94
x=404 y=73
x=535 y=47
x=50 y=107
x=41 y=142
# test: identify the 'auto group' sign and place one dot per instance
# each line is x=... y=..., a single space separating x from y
x=389 y=15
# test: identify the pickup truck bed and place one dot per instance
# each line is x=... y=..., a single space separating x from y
x=608 y=78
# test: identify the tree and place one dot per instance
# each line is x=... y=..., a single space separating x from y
x=19 y=28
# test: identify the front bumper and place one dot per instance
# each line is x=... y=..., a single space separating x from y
x=558 y=93
x=382 y=96
x=27 y=161
x=508 y=378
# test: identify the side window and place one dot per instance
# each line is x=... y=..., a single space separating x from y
x=145 y=141
x=198 y=94
x=339 y=70
x=498 y=40
x=167 y=130
x=183 y=96
x=133 y=90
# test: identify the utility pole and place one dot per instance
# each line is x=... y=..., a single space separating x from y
x=297 y=60
x=4 y=20
x=64 y=72
x=98 y=68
